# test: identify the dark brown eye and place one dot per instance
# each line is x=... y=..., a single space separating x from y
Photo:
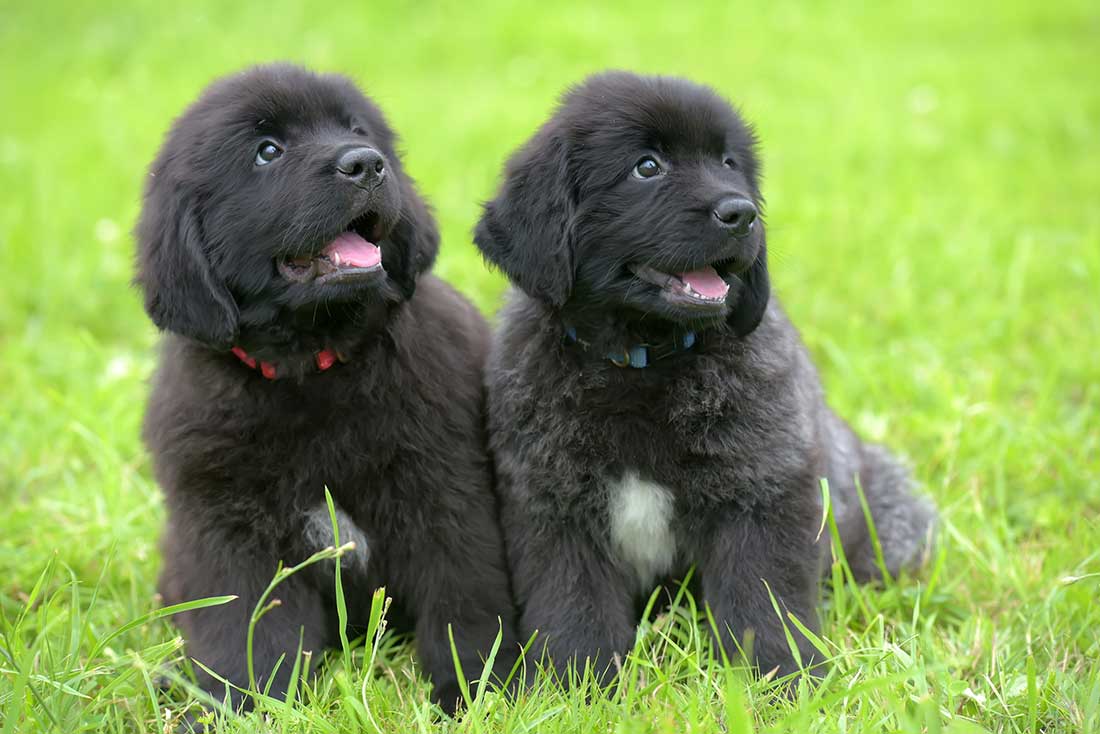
x=647 y=167
x=729 y=163
x=267 y=152
x=357 y=130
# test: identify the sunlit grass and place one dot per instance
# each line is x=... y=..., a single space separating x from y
x=933 y=213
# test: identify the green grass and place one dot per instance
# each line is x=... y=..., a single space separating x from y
x=933 y=180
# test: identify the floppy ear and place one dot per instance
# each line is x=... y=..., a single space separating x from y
x=752 y=300
x=526 y=230
x=182 y=292
x=416 y=236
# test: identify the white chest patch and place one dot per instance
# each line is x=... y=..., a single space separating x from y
x=641 y=527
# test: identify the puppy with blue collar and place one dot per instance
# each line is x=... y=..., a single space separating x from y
x=651 y=408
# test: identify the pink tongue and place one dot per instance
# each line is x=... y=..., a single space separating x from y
x=354 y=251
x=706 y=282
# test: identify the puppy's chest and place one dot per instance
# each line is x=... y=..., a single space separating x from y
x=642 y=527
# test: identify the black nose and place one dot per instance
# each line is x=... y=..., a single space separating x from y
x=362 y=166
x=737 y=214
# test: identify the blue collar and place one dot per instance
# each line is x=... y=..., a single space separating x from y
x=639 y=356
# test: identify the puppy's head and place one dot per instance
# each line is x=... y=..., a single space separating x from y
x=639 y=196
x=278 y=199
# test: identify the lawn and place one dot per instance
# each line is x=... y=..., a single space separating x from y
x=933 y=186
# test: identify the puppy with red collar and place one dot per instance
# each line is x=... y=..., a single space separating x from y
x=285 y=252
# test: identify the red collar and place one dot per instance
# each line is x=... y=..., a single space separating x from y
x=324 y=359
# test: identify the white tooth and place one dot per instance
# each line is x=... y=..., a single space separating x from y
x=336 y=259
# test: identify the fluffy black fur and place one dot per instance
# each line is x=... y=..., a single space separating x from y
x=614 y=479
x=394 y=429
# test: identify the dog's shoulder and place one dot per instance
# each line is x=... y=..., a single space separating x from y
x=766 y=375
x=188 y=372
x=194 y=420
x=440 y=301
x=526 y=329
x=441 y=325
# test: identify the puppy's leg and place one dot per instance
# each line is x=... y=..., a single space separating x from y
x=904 y=522
x=743 y=558
x=474 y=623
x=459 y=580
x=217 y=636
x=575 y=597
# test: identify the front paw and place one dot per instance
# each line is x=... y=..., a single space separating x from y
x=785 y=671
x=447 y=694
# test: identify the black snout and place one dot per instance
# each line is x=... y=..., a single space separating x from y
x=362 y=166
x=736 y=214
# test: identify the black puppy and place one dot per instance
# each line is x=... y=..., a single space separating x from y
x=281 y=244
x=651 y=408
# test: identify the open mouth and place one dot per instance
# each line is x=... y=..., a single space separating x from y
x=701 y=288
x=351 y=255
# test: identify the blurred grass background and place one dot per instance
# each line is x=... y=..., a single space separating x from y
x=933 y=184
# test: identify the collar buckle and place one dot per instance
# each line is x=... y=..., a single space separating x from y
x=637 y=355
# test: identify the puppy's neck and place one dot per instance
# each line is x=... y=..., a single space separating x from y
x=291 y=346
x=610 y=329
x=625 y=342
